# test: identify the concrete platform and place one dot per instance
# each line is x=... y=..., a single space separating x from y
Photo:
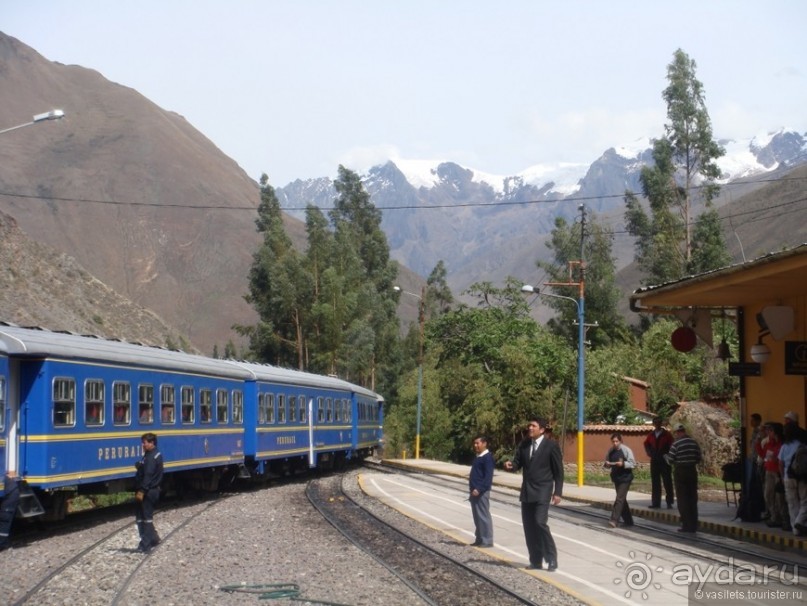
x=713 y=517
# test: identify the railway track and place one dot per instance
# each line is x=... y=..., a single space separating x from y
x=436 y=577
x=104 y=564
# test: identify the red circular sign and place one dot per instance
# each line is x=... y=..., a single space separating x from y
x=684 y=339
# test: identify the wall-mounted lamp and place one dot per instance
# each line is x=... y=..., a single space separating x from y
x=760 y=352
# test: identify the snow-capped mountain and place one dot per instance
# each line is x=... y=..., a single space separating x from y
x=483 y=225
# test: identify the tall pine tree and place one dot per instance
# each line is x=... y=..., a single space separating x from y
x=682 y=179
x=279 y=290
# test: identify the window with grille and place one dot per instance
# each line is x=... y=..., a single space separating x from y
x=94 y=402
x=188 y=405
x=167 y=404
x=145 y=404
x=121 y=403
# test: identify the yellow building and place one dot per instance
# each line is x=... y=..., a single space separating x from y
x=767 y=298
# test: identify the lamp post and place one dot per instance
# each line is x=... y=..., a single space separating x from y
x=581 y=364
x=54 y=114
x=421 y=319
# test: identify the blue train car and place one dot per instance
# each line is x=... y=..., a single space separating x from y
x=301 y=420
x=83 y=403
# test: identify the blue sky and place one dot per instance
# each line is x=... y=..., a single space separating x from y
x=294 y=89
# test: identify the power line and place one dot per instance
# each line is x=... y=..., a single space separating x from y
x=569 y=200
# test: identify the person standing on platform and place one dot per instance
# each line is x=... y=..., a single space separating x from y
x=684 y=456
x=147 y=491
x=480 y=482
x=621 y=461
x=775 y=505
x=541 y=485
x=795 y=485
x=656 y=445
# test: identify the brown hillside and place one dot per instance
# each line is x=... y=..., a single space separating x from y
x=41 y=287
x=134 y=193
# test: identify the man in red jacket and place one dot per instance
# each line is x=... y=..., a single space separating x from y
x=656 y=445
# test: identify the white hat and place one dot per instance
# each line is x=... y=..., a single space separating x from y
x=793 y=416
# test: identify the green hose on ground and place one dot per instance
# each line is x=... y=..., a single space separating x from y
x=275 y=591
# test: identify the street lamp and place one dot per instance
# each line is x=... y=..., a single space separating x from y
x=54 y=114
x=421 y=319
x=581 y=364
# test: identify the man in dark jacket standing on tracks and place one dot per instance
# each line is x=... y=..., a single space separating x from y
x=480 y=482
x=542 y=484
x=684 y=456
x=656 y=445
x=147 y=491
x=8 y=508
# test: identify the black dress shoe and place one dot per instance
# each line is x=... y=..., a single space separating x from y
x=476 y=543
x=653 y=506
x=551 y=565
x=535 y=567
x=669 y=505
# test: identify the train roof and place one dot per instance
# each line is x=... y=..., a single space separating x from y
x=275 y=374
x=40 y=343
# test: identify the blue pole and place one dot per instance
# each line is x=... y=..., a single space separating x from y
x=581 y=383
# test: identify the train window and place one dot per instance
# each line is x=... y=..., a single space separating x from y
x=238 y=406
x=337 y=410
x=145 y=403
x=292 y=409
x=64 y=402
x=348 y=411
x=188 y=405
x=301 y=400
x=261 y=408
x=2 y=402
x=121 y=403
x=221 y=405
x=320 y=410
x=94 y=402
x=270 y=407
x=328 y=410
x=205 y=406
x=281 y=408
x=167 y=404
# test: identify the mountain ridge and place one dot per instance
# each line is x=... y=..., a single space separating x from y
x=513 y=217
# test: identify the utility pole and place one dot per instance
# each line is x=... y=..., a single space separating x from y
x=581 y=336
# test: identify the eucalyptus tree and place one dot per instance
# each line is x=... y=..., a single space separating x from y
x=279 y=289
x=683 y=177
x=369 y=328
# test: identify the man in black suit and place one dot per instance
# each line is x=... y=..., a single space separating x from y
x=542 y=484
